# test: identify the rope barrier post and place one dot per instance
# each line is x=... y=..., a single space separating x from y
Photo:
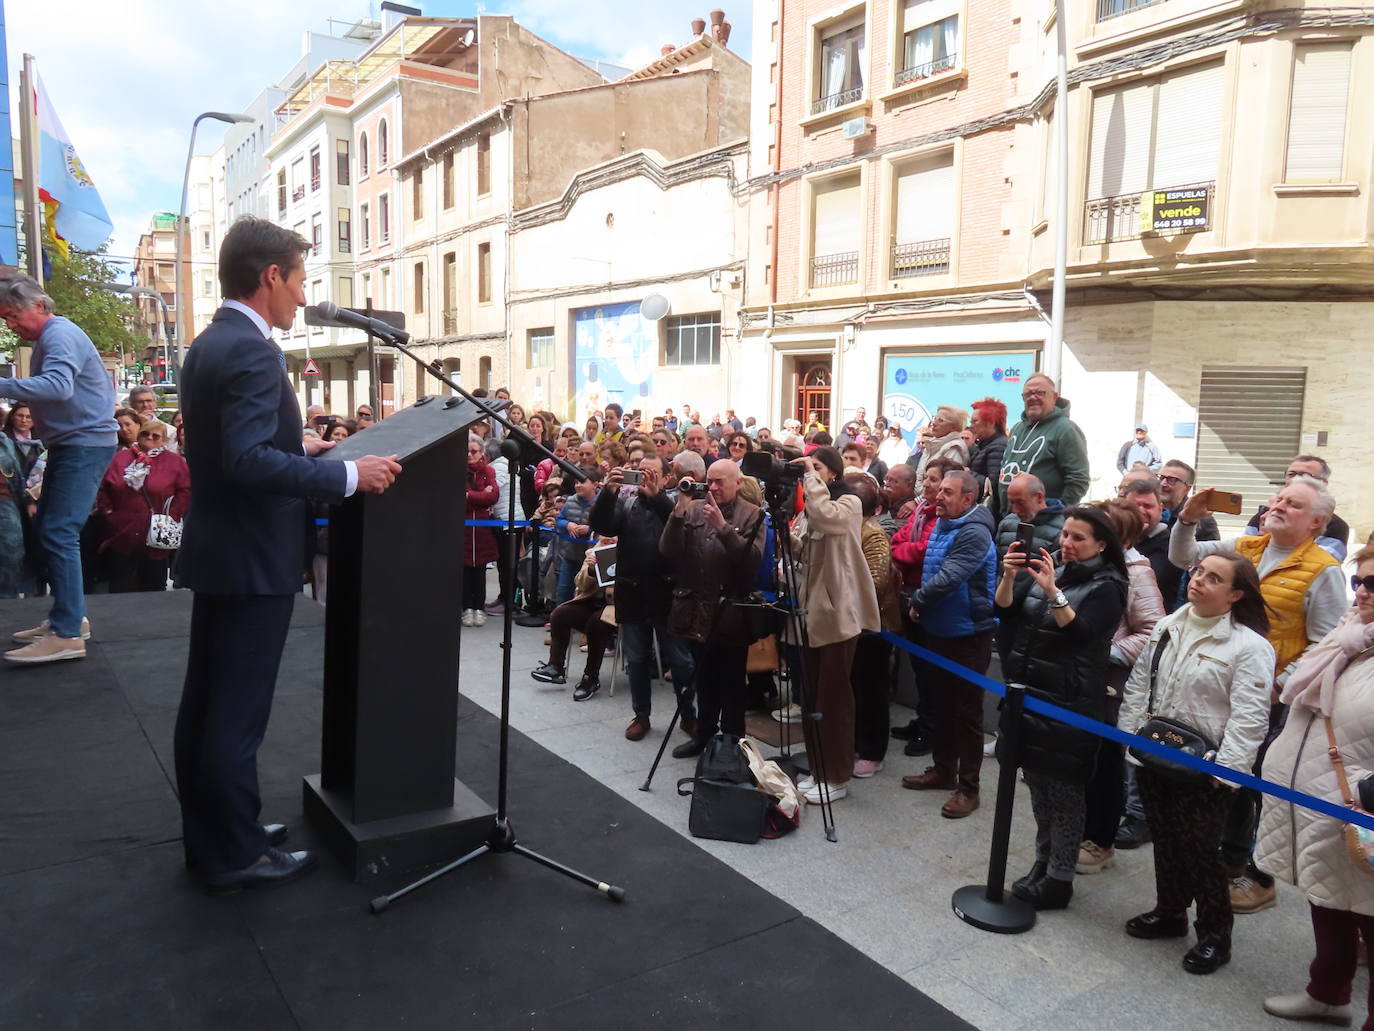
x=988 y=907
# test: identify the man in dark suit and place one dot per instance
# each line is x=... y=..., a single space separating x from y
x=244 y=550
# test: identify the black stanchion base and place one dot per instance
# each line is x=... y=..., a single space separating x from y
x=1010 y=916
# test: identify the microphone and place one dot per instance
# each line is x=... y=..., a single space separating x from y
x=348 y=317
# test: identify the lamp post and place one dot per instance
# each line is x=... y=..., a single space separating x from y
x=147 y=291
x=219 y=116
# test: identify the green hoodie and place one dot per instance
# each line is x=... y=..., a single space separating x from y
x=1052 y=449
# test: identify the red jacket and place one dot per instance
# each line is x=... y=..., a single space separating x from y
x=479 y=542
x=909 y=544
x=128 y=512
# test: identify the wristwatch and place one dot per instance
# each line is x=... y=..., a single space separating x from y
x=1058 y=601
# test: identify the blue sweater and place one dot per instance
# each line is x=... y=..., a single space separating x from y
x=68 y=388
x=958 y=577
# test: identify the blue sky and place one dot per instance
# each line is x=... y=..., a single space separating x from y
x=127 y=78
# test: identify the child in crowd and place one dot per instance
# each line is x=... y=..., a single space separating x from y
x=575 y=532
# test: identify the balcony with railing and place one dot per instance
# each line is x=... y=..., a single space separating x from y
x=925 y=71
x=835 y=269
x=298 y=194
x=1108 y=9
x=926 y=258
x=1109 y=219
x=836 y=100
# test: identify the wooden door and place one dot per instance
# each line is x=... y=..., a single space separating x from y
x=813 y=391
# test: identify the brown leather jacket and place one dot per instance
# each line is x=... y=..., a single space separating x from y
x=711 y=567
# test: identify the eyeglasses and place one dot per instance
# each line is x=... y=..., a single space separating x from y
x=1367 y=582
x=1167 y=480
x=1206 y=576
x=1026 y=394
x=737 y=444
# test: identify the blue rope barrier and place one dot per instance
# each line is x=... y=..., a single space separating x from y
x=1106 y=730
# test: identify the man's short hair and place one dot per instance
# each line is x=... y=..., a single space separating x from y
x=968 y=483
x=903 y=471
x=22 y=292
x=613 y=407
x=250 y=247
x=1325 y=505
x=1190 y=474
x=689 y=463
x=139 y=391
x=1141 y=487
x=1320 y=464
x=594 y=473
x=1032 y=482
x=1044 y=376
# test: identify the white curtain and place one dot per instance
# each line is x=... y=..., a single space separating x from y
x=950 y=33
x=920 y=47
x=835 y=60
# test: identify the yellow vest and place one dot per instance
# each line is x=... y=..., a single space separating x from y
x=1283 y=589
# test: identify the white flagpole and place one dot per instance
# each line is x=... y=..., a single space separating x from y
x=28 y=148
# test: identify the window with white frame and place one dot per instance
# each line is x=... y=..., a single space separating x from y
x=930 y=39
x=364 y=227
x=692 y=339
x=540 y=352
x=1317 y=113
x=1156 y=135
x=835 y=231
x=840 y=63
x=384 y=218
x=924 y=217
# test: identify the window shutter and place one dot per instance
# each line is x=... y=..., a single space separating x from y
x=837 y=219
x=1122 y=120
x=1188 y=128
x=1317 y=113
x=925 y=12
x=925 y=200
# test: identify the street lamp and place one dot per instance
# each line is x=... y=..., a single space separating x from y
x=219 y=116
x=147 y=291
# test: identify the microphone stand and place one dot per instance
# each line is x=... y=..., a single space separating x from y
x=502 y=837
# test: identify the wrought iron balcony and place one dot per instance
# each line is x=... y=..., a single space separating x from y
x=926 y=258
x=1108 y=219
x=835 y=269
x=849 y=96
x=925 y=71
x=1107 y=9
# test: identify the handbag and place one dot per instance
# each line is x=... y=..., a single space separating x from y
x=164 y=532
x=763 y=655
x=726 y=803
x=1173 y=733
x=1359 y=841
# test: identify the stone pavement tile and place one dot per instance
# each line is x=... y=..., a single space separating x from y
x=960 y=998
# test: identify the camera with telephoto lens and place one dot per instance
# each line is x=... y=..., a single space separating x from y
x=695 y=491
x=779 y=477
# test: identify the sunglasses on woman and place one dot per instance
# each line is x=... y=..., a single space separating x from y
x=1367 y=582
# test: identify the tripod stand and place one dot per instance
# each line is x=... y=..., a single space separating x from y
x=502 y=837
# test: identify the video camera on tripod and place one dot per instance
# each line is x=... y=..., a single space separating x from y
x=779 y=477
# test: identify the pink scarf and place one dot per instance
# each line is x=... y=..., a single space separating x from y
x=1313 y=683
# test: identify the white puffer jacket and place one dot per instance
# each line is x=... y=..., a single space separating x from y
x=1220 y=686
x=1297 y=844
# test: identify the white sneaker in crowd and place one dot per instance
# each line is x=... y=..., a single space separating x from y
x=467 y=617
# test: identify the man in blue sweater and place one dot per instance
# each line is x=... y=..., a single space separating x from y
x=954 y=608
x=72 y=399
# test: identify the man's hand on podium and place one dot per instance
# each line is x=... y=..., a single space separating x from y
x=376 y=474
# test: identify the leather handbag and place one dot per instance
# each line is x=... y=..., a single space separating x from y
x=726 y=803
x=1359 y=841
x=763 y=655
x=1173 y=733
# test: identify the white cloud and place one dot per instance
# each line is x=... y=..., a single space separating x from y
x=127 y=78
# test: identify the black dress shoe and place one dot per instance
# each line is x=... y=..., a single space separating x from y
x=1207 y=956
x=1132 y=833
x=1046 y=893
x=908 y=732
x=918 y=745
x=690 y=749
x=1155 y=924
x=276 y=834
x=272 y=869
x=1037 y=874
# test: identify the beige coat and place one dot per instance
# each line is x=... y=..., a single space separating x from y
x=1297 y=844
x=836 y=587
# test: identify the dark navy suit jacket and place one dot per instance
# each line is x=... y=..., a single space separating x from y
x=247 y=528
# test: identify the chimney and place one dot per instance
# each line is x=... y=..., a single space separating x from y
x=720 y=28
x=698 y=27
x=666 y=49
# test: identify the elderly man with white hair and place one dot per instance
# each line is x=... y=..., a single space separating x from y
x=1304 y=588
x=942 y=439
x=72 y=400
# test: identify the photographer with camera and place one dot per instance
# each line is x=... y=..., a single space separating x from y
x=713 y=544
x=643 y=587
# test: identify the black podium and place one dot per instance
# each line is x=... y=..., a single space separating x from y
x=386 y=800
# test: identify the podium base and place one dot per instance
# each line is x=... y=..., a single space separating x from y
x=1010 y=916
x=401 y=844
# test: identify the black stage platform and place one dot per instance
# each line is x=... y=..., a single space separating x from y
x=101 y=928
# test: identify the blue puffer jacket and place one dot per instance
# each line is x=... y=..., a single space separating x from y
x=959 y=576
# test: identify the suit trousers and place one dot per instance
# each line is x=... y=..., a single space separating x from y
x=231 y=674
x=719 y=679
x=1186 y=822
x=830 y=741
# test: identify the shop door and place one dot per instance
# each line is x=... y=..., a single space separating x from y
x=813 y=391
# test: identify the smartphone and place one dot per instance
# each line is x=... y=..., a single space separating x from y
x=1025 y=535
x=1224 y=502
x=633 y=477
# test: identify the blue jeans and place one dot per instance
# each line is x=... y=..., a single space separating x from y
x=69 y=486
x=637 y=639
x=568 y=567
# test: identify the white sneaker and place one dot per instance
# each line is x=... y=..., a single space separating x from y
x=806 y=784
x=990 y=748
x=788 y=714
x=1303 y=1007
x=468 y=615
x=479 y=618
x=813 y=793
x=44 y=628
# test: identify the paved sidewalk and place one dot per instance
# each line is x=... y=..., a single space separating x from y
x=885 y=886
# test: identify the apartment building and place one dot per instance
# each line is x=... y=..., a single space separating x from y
x=155 y=267
x=202 y=248
x=533 y=232
x=1219 y=220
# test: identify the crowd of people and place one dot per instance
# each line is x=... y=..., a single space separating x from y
x=980 y=546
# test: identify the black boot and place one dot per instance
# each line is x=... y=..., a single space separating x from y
x=1036 y=875
x=690 y=748
x=1047 y=893
x=907 y=732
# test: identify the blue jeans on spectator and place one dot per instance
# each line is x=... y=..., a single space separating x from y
x=567 y=572
x=69 y=487
x=637 y=639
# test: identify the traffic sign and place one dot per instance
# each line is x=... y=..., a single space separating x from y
x=311 y=369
